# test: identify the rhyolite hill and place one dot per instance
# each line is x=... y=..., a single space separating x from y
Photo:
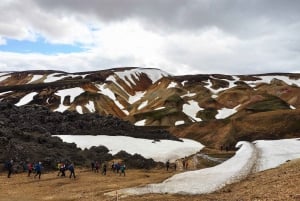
x=217 y=110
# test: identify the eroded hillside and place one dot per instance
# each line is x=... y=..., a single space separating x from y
x=214 y=109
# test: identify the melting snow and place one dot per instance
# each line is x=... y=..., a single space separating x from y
x=35 y=78
x=140 y=123
x=226 y=112
x=263 y=154
x=79 y=109
x=6 y=92
x=191 y=109
x=272 y=153
x=143 y=104
x=72 y=92
x=136 y=97
x=26 y=99
x=90 y=106
x=162 y=150
x=188 y=95
x=4 y=77
x=179 y=122
x=172 y=85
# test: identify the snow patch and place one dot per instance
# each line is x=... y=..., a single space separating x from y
x=172 y=85
x=35 y=78
x=143 y=104
x=79 y=109
x=6 y=92
x=72 y=92
x=226 y=112
x=179 y=122
x=191 y=109
x=276 y=152
x=162 y=150
x=26 y=99
x=140 y=123
x=90 y=106
x=2 y=78
x=205 y=180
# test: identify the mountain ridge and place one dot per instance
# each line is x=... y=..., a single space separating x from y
x=151 y=97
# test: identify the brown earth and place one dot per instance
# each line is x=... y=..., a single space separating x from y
x=275 y=184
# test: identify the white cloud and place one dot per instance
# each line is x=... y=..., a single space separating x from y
x=170 y=36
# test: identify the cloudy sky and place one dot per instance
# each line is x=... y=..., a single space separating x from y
x=177 y=36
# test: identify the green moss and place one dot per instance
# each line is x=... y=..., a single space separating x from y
x=270 y=104
x=207 y=114
x=157 y=114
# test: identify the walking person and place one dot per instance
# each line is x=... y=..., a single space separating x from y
x=97 y=167
x=72 y=170
x=104 y=168
x=9 y=166
x=167 y=165
x=38 y=169
x=122 y=169
x=29 y=168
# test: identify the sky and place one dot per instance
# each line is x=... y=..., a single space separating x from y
x=179 y=37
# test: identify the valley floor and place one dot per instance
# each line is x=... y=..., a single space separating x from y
x=275 y=184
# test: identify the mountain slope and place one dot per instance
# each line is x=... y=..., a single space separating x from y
x=219 y=109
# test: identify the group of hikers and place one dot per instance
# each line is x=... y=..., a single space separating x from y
x=62 y=167
x=116 y=167
x=184 y=161
x=36 y=167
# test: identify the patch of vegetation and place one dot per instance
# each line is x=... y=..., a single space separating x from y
x=269 y=104
x=207 y=114
x=157 y=114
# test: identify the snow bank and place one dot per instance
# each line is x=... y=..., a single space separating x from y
x=26 y=99
x=205 y=180
x=162 y=150
x=273 y=153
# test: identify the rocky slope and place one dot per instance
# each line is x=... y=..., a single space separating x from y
x=26 y=134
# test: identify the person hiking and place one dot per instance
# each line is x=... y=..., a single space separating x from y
x=63 y=169
x=72 y=170
x=29 y=168
x=9 y=166
x=97 y=167
x=104 y=168
x=38 y=169
x=93 y=166
x=122 y=169
x=167 y=165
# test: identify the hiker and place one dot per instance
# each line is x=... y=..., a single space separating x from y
x=113 y=166
x=9 y=166
x=183 y=164
x=29 y=168
x=104 y=167
x=167 y=165
x=175 y=165
x=118 y=166
x=58 y=167
x=62 y=169
x=38 y=169
x=97 y=167
x=122 y=169
x=93 y=166
x=72 y=170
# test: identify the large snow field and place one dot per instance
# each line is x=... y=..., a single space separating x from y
x=262 y=154
x=162 y=150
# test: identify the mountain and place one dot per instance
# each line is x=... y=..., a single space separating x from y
x=217 y=110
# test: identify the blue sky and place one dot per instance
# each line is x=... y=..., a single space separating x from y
x=38 y=46
x=179 y=37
